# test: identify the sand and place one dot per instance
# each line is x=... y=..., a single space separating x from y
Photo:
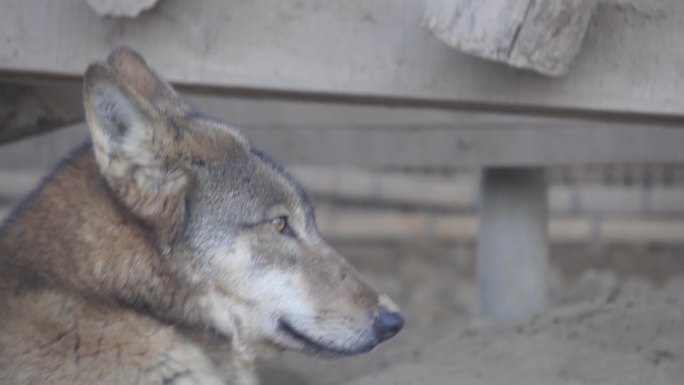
x=616 y=318
x=624 y=343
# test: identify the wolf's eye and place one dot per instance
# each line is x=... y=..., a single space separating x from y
x=282 y=226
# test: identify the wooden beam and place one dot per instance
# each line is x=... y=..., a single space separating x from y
x=357 y=135
x=378 y=49
x=305 y=132
x=461 y=145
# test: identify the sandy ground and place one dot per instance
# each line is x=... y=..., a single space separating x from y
x=622 y=343
x=617 y=317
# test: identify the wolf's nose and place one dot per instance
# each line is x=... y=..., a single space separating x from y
x=387 y=324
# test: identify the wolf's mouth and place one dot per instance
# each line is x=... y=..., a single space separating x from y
x=315 y=347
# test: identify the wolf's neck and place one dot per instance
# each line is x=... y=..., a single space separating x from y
x=73 y=236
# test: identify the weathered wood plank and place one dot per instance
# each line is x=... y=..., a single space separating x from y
x=542 y=35
x=372 y=136
x=631 y=59
x=462 y=145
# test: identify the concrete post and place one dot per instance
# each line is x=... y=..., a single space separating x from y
x=512 y=242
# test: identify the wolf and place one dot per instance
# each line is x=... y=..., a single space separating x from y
x=169 y=250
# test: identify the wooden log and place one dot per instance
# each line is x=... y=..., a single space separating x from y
x=542 y=35
x=121 y=8
x=551 y=35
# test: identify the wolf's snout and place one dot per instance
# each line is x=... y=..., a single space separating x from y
x=387 y=324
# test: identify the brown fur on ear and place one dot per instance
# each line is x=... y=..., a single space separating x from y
x=135 y=145
x=132 y=68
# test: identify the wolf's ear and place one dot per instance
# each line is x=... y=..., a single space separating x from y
x=134 y=143
x=129 y=65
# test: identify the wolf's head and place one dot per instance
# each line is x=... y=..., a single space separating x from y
x=238 y=230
